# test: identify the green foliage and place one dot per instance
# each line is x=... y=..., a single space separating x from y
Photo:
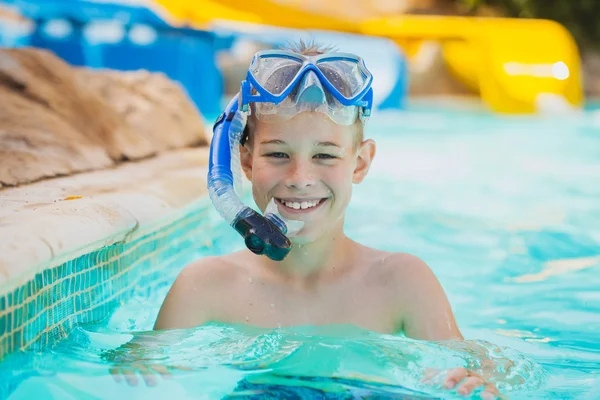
x=580 y=17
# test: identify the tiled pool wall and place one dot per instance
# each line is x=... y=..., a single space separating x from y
x=87 y=289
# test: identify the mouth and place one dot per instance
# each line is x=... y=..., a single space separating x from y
x=300 y=206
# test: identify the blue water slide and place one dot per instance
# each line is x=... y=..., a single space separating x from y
x=126 y=36
x=396 y=97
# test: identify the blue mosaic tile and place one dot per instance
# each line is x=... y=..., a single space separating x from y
x=43 y=318
x=90 y=287
x=55 y=293
x=39 y=282
x=69 y=307
x=17 y=317
x=47 y=276
x=55 y=314
x=31 y=309
x=28 y=290
x=94 y=277
x=50 y=316
x=71 y=267
x=28 y=333
x=45 y=339
x=64 y=288
x=16 y=341
x=17 y=298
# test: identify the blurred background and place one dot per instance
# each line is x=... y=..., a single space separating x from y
x=416 y=48
x=486 y=114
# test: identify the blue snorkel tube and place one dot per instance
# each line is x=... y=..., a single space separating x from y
x=263 y=234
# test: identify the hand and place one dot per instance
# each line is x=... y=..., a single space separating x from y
x=130 y=372
x=465 y=382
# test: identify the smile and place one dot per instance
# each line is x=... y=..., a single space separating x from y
x=300 y=205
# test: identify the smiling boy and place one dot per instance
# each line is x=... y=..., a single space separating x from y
x=306 y=153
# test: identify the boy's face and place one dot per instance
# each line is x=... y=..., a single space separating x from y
x=308 y=164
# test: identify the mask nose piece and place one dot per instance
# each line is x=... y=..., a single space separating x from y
x=310 y=90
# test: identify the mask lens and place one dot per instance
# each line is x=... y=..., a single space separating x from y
x=345 y=76
x=275 y=74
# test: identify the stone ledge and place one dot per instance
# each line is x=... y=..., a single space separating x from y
x=52 y=221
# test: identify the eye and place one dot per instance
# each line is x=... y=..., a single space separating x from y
x=324 y=156
x=276 y=155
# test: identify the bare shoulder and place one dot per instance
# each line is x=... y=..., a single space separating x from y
x=408 y=275
x=408 y=267
x=421 y=301
x=397 y=267
x=210 y=270
x=198 y=288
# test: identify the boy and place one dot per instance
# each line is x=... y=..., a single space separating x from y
x=306 y=153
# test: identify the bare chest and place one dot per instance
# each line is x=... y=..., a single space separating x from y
x=272 y=306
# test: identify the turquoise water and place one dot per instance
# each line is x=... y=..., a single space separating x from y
x=506 y=212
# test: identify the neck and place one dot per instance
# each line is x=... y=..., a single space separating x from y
x=311 y=261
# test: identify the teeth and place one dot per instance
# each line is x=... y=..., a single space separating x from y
x=304 y=205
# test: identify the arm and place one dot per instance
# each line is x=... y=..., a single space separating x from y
x=187 y=304
x=427 y=314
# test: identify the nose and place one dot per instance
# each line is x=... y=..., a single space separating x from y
x=300 y=176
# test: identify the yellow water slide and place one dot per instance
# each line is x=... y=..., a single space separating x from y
x=516 y=65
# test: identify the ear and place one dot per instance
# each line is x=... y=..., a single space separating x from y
x=246 y=160
x=364 y=157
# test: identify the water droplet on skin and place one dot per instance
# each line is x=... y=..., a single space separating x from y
x=272 y=305
x=247 y=318
x=279 y=324
x=195 y=289
x=250 y=280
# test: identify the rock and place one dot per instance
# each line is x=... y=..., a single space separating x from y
x=37 y=143
x=154 y=106
x=57 y=120
x=49 y=125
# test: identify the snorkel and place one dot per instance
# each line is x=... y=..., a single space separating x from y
x=263 y=234
x=269 y=234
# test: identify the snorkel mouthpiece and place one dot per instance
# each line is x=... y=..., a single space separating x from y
x=263 y=236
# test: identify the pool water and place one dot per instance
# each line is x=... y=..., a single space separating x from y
x=506 y=211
